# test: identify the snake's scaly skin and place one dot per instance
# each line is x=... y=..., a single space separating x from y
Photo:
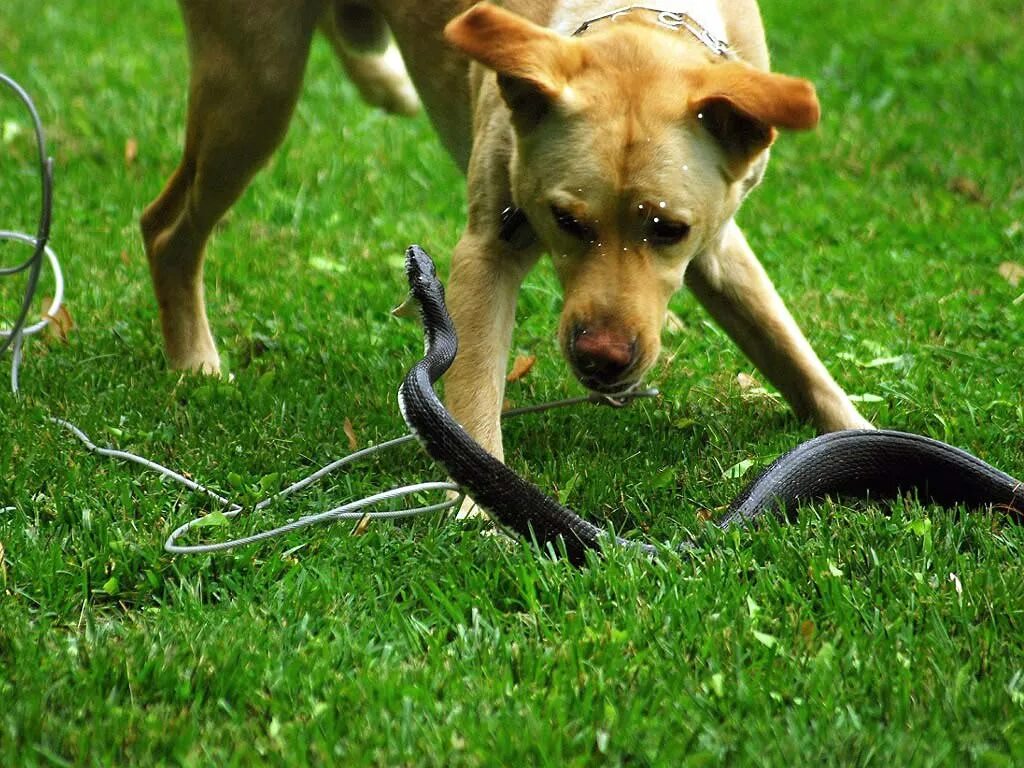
x=877 y=464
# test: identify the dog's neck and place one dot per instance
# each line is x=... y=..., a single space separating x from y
x=570 y=15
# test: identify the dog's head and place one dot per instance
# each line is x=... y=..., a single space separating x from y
x=633 y=149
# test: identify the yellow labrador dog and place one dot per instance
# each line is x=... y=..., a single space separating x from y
x=621 y=141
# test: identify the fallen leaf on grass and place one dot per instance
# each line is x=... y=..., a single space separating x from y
x=751 y=388
x=60 y=324
x=363 y=525
x=664 y=478
x=213 y=520
x=269 y=483
x=738 y=470
x=752 y=607
x=329 y=266
x=746 y=381
x=769 y=641
x=10 y=130
x=866 y=397
x=717 y=683
x=957 y=585
x=565 y=492
x=921 y=527
x=131 y=150
x=350 y=433
x=968 y=188
x=882 y=357
x=521 y=367
x=898 y=360
x=807 y=630
x=1012 y=272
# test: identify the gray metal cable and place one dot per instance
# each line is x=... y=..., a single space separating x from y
x=34 y=263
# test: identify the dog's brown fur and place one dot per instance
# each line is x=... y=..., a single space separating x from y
x=606 y=141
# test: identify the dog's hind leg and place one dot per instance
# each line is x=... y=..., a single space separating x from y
x=247 y=68
x=362 y=41
x=732 y=285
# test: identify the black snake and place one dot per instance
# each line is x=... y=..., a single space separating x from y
x=880 y=464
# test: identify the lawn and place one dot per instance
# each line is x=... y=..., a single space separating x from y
x=856 y=636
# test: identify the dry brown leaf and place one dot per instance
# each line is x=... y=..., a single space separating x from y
x=752 y=389
x=131 y=150
x=125 y=258
x=350 y=433
x=968 y=188
x=363 y=525
x=1012 y=272
x=746 y=381
x=60 y=324
x=521 y=367
x=807 y=630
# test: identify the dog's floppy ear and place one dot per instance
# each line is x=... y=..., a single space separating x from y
x=742 y=107
x=532 y=62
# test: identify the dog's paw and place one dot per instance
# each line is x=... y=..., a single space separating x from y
x=207 y=365
x=470 y=510
x=842 y=415
x=860 y=423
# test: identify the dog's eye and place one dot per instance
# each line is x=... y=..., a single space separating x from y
x=666 y=231
x=571 y=225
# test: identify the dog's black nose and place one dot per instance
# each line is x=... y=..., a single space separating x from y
x=602 y=356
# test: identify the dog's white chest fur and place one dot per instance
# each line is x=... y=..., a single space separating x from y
x=570 y=14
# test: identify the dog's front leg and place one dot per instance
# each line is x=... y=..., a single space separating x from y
x=482 y=290
x=733 y=286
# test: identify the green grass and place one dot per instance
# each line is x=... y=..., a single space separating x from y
x=852 y=637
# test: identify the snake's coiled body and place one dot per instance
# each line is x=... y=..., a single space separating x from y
x=879 y=464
